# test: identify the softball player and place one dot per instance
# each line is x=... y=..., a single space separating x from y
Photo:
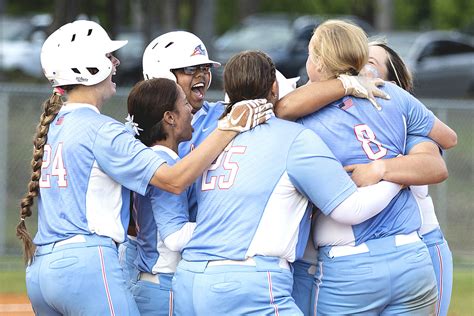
x=235 y=263
x=379 y=266
x=387 y=64
x=162 y=218
x=80 y=157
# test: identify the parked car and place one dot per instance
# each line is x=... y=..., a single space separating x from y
x=442 y=62
x=20 y=43
x=284 y=38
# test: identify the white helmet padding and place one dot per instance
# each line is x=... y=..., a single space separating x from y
x=174 y=50
x=76 y=54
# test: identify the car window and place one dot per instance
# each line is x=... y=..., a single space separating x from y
x=444 y=48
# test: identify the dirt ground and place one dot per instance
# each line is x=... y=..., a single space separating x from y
x=15 y=305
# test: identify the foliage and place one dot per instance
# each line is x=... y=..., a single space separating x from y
x=408 y=14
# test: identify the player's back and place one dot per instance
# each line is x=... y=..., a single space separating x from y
x=247 y=203
x=358 y=133
x=87 y=157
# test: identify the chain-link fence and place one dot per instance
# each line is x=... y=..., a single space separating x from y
x=20 y=107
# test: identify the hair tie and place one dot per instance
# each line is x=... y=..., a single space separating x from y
x=22 y=219
x=59 y=91
x=131 y=126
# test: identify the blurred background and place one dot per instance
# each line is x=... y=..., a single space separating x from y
x=435 y=38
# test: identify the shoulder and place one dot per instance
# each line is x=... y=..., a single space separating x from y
x=212 y=106
x=166 y=154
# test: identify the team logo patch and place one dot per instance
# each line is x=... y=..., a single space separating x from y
x=198 y=50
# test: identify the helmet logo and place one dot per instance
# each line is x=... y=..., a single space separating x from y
x=81 y=79
x=198 y=50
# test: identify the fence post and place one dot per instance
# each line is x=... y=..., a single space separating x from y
x=4 y=105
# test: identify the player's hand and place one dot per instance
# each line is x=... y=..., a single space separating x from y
x=367 y=174
x=245 y=115
x=364 y=87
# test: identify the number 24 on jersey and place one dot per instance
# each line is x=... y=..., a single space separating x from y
x=55 y=161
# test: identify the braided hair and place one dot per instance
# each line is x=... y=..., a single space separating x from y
x=51 y=108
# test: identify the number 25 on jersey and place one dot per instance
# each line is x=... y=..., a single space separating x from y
x=224 y=177
x=55 y=160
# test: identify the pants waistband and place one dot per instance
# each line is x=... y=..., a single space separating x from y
x=371 y=245
x=75 y=242
x=261 y=263
x=433 y=237
x=282 y=263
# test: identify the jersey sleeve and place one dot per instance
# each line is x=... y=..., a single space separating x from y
x=316 y=173
x=413 y=140
x=420 y=120
x=124 y=158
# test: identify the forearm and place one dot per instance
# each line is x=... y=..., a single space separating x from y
x=308 y=99
x=178 y=177
x=365 y=203
x=414 y=169
x=177 y=240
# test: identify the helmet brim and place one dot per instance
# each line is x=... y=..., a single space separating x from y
x=114 y=45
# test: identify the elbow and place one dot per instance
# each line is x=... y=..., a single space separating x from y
x=443 y=175
x=440 y=175
x=281 y=111
x=452 y=141
x=176 y=189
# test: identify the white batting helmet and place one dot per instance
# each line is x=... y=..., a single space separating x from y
x=285 y=85
x=174 y=50
x=76 y=54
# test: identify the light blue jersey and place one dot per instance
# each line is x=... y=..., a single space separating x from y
x=271 y=166
x=86 y=176
x=358 y=133
x=158 y=214
x=204 y=122
x=90 y=163
x=368 y=269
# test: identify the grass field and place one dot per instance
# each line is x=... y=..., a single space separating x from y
x=462 y=300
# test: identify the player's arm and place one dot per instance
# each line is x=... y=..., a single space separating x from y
x=365 y=203
x=317 y=174
x=315 y=95
x=177 y=240
x=423 y=165
x=177 y=178
x=422 y=122
x=443 y=135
